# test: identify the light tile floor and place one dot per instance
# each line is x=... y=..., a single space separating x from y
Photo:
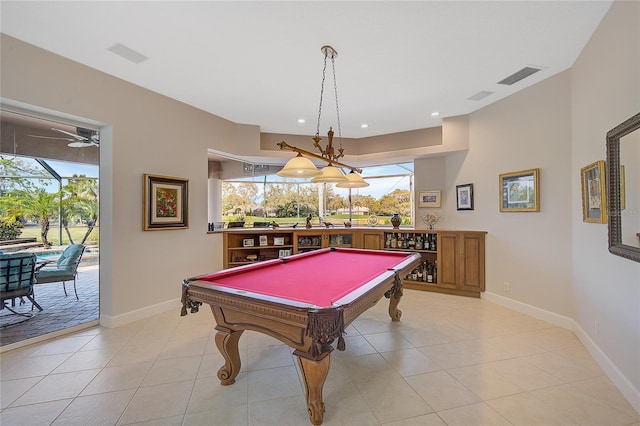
x=449 y=361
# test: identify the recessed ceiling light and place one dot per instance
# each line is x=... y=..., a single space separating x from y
x=435 y=114
x=301 y=121
x=364 y=125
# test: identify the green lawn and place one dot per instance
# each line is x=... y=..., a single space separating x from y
x=336 y=219
x=77 y=233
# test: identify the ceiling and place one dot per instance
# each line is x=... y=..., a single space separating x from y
x=260 y=62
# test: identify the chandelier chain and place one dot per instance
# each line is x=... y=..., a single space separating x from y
x=324 y=69
x=335 y=89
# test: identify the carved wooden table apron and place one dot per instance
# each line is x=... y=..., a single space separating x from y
x=309 y=330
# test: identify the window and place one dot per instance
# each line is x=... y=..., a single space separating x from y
x=272 y=198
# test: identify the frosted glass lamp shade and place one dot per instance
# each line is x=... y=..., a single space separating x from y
x=299 y=167
x=354 y=180
x=330 y=174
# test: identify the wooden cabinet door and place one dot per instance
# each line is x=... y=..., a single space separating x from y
x=461 y=261
x=449 y=259
x=472 y=269
x=372 y=240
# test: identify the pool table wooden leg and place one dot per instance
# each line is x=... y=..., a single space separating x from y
x=314 y=373
x=227 y=343
x=394 y=299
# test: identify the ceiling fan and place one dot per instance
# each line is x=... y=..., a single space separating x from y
x=83 y=138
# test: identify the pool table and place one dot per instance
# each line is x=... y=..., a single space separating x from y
x=306 y=301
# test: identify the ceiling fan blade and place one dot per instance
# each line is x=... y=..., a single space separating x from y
x=81 y=144
x=77 y=137
x=51 y=137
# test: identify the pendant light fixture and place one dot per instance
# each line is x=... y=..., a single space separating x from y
x=330 y=173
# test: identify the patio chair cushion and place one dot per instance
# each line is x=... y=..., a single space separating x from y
x=52 y=272
x=68 y=260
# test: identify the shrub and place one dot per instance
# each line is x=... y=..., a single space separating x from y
x=10 y=229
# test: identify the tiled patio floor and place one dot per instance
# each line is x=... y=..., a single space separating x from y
x=59 y=312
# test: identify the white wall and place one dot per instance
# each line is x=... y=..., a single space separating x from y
x=553 y=261
x=143 y=132
x=528 y=130
x=606 y=288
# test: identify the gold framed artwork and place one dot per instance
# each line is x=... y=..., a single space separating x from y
x=430 y=199
x=520 y=191
x=166 y=203
x=594 y=200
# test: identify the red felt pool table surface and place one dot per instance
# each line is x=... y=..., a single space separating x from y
x=318 y=278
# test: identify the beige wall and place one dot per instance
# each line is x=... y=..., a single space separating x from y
x=605 y=92
x=556 y=264
x=143 y=133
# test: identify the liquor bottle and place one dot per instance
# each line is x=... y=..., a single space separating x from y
x=411 y=245
x=387 y=243
x=401 y=242
x=433 y=242
x=420 y=273
x=418 y=242
x=394 y=241
x=435 y=271
x=429 y=273
x=427 y=242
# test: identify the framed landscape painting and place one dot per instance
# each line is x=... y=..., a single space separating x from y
x=166 y=203
x=592 y=179
x=429 y=198
x=519 y=191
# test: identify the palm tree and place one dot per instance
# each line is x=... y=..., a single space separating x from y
x=36 y=203
x=80 y=200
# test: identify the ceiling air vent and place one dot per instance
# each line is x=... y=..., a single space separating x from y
x=480 y=95
x=519 y=75
x=127 y=53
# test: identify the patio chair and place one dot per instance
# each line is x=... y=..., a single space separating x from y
x=17 y=271
x=65 y=268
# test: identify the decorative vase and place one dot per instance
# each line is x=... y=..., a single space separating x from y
x=396 y=220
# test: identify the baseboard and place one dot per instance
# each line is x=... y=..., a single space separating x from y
x=110 y=321
x=624 y=385
x=553 y=318
x=48 y=336
x=630 y=392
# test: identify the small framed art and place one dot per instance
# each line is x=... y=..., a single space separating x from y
x=429 y=199
x=519 y=191
x=594 y=207
x=166 y=203
x=263 y=240
x=464 y=196
x=284 y=252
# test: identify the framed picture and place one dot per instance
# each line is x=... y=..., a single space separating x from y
x=263 y=240
x=247 y=242
x=284 y=253
x=278 y=241
x=166 y=203
x=429 y=198
x=594 y=207
x=464 y=196
x=519 y=191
